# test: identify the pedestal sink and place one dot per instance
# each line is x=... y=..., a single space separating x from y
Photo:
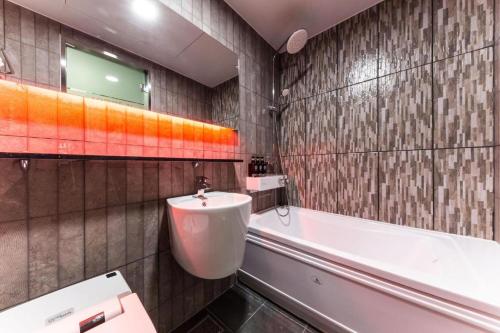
x=207 y=235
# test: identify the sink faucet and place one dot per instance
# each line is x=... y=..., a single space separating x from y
x=202 y=186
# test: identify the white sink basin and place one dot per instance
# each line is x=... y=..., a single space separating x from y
x=208 y=236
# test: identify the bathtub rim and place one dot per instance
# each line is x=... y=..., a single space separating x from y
x=445 y=307
x=321 y=251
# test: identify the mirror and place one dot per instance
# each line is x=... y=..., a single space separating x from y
x=145 y=55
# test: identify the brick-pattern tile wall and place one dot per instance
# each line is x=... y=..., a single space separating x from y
x=400 y=119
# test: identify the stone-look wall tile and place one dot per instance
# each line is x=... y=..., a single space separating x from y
x=12 y=21
x=117 y=236
x=292 y=129
x=357 y=189
x=463 y=100
x=151 y=282
x=321 y=52
x=405 y=188
x=135 y=232
x=27 y=27
x=463 y=191
x=95 y=242
x=116 y=187
x=71 y=248
x=177 y=178
x=165 y=179
x=135 y=278
x=42 y=188
x=135 y=181
x=358 y=48
x=13 y=191
x=293 y=72
x=13 y=263
x=42 y=256
x=150 y=228
x=322 y=182
x=294 y=167
x=405 y=29
x=496 y=222
x=2 y=26
x=70 y=186
x=95 y=184
x=150 y=181
x=405 y=110
x=321 y=124
x=357 y=118
x=461 y=26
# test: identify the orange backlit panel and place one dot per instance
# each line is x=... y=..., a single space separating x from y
x=42 y=121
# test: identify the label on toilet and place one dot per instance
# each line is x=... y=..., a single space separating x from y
x=91 y=322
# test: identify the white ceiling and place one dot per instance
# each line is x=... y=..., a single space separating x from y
x=169 y=40
x=275 y=20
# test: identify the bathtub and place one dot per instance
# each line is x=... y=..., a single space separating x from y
x=345 y=274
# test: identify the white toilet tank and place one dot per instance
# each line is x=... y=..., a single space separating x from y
x=103 y=304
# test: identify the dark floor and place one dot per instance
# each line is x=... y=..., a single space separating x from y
x=241 y=310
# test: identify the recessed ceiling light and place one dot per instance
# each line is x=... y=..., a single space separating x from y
x=111 y=78
x=146 y=9
x=109 y=54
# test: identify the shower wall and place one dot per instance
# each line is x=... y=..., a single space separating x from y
x=392 y=116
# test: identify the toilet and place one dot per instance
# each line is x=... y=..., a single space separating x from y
x=103 y=304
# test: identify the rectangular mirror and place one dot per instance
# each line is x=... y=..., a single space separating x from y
x=152 y=59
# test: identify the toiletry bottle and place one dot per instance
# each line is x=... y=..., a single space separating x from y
x=260 y=167
x=251 y=167
x=264 y=167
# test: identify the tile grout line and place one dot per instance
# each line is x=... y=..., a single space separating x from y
x=251 y=316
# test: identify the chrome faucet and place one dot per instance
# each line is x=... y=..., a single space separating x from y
x=202 y=186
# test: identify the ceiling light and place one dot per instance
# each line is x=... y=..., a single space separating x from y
x=63 y=63
x=146 y=9
x=111 y=78
x=109 y=54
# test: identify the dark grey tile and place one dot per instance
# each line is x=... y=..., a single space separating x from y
x=235 y=307
x=135 y=278
x=165 y=179
x=116 y=183
x=135 y=181
x=151 y=220
x=12 y=21
x=42 y=188
x=150 y=181
x=151 y=282
x=294 y=167
x=13 y=191
x=43 y=255
x=42 y=66
x=95 y=184
x=135 y=232
x=117 y=236
x=71 y=186
x=41 y=32
x=13 y=263
x=28 y=63
x=177 y=178
x=27 y=27
x=207 y=325
x=269 y=319
x=71 y=248
x=95 y=242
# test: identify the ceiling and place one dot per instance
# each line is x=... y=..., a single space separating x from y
x=275 y=20
x=168 y=40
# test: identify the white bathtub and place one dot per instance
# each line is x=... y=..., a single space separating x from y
x=355 y=275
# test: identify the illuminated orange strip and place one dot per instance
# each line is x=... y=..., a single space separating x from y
x=42 y=121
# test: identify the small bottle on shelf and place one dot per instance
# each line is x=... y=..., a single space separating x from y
x=251 y=167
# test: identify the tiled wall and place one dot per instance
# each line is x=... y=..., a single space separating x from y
x=64 y=221
x=391 y=116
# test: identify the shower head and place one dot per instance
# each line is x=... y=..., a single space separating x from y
x=296 y=41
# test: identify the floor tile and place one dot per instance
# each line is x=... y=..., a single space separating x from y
x=268 y=319
x=207 y=325
x=235 y=307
